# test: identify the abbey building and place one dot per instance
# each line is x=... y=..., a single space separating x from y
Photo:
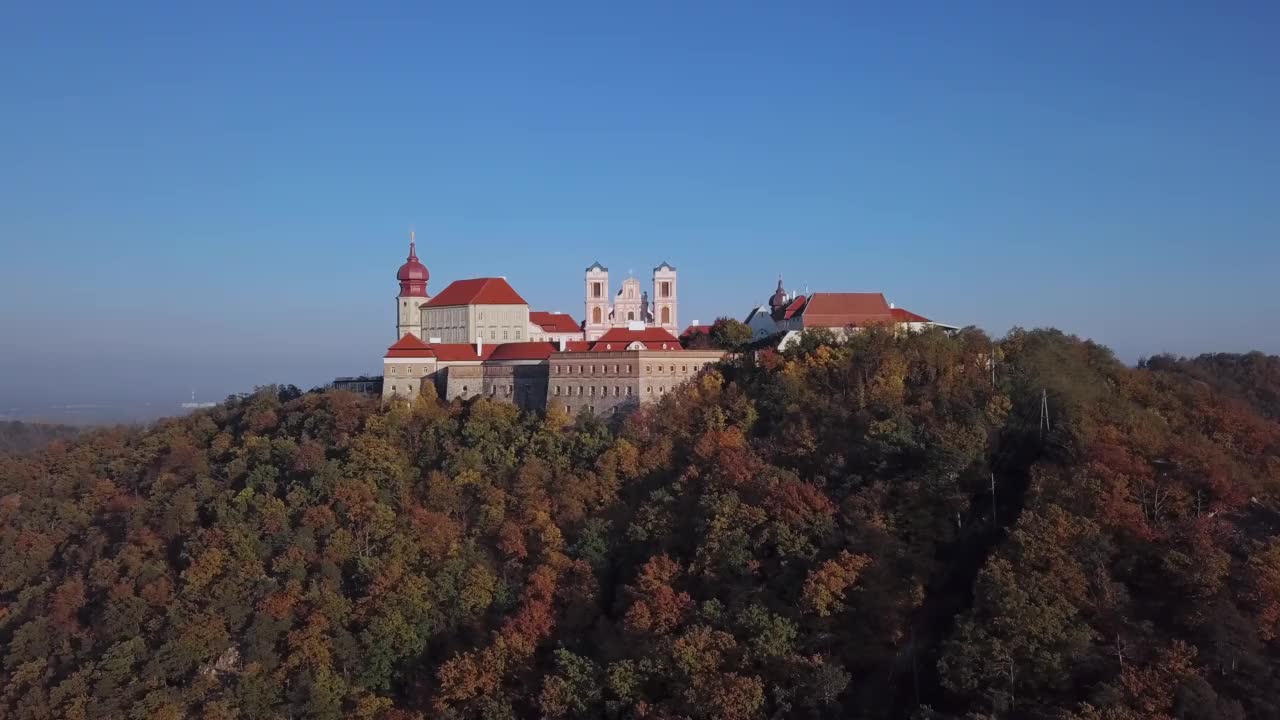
x=479 y=337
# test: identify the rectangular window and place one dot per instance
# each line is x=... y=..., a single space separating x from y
x=504 y=334
x=628 y=390
x=480 y=315
x=517 y=334
x=666 y=289
x=493 y=334
x=595 y=289
x=557 y=389
x=593 y=390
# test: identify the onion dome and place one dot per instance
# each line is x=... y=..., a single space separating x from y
x=413 y=275
x=779 y=298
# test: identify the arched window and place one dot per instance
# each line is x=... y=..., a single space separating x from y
x=631 y=316
x=595 y=315
x=666 y=316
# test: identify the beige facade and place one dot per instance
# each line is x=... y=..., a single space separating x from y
x=522 y=383
x=406 y=377
x=598 y=382
x=466 y=323
x=605 y=382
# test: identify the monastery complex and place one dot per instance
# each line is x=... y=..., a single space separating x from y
x=478 y=337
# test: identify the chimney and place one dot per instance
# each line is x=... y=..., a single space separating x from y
x=695 y=323
x=562 y=344
x=479 y=344
x=890 y=306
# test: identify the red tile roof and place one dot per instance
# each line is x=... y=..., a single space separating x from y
x=902 y=315
x=696 y=330
x=843 y=309
x=796 y=306
x=651 y=337
x=522 y=351
x=478 y=291
x=409 y=347
x=554 y=322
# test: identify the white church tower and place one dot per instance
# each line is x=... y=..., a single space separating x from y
x=664 y=298
x=597 y=320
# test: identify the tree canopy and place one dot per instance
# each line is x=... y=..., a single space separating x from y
x=931 y=525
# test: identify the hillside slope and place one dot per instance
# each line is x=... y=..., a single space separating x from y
x=870 y=530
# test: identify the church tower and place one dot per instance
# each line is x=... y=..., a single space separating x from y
x=596 y=322
x=413 y=278
x=664 y=298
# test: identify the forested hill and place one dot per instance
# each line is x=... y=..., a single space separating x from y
x=873 y=530
x=21 y=437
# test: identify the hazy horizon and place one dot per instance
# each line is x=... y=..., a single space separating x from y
x=209 y=199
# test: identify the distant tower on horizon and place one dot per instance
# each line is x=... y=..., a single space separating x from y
x=413 y=277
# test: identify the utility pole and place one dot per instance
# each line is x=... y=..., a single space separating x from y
x=993 y=363
x=994 y=521
x=1044 y=413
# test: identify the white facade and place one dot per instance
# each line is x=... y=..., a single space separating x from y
x=632 y=303
x=466 y=323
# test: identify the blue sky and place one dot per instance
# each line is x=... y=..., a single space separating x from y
x=218 y=197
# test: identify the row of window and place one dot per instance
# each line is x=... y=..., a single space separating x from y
x=604 y=390
x=591 y=390
x=591 y=369
x=568 y=369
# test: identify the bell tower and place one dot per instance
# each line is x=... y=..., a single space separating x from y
x=664 y=298
x=413 y=277
x=596 y=322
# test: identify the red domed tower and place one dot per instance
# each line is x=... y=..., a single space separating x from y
x=413 y=295
x=779 y=299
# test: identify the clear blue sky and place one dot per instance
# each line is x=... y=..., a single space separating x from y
x=217 y=197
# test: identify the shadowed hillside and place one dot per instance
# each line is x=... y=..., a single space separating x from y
x=864 y=530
